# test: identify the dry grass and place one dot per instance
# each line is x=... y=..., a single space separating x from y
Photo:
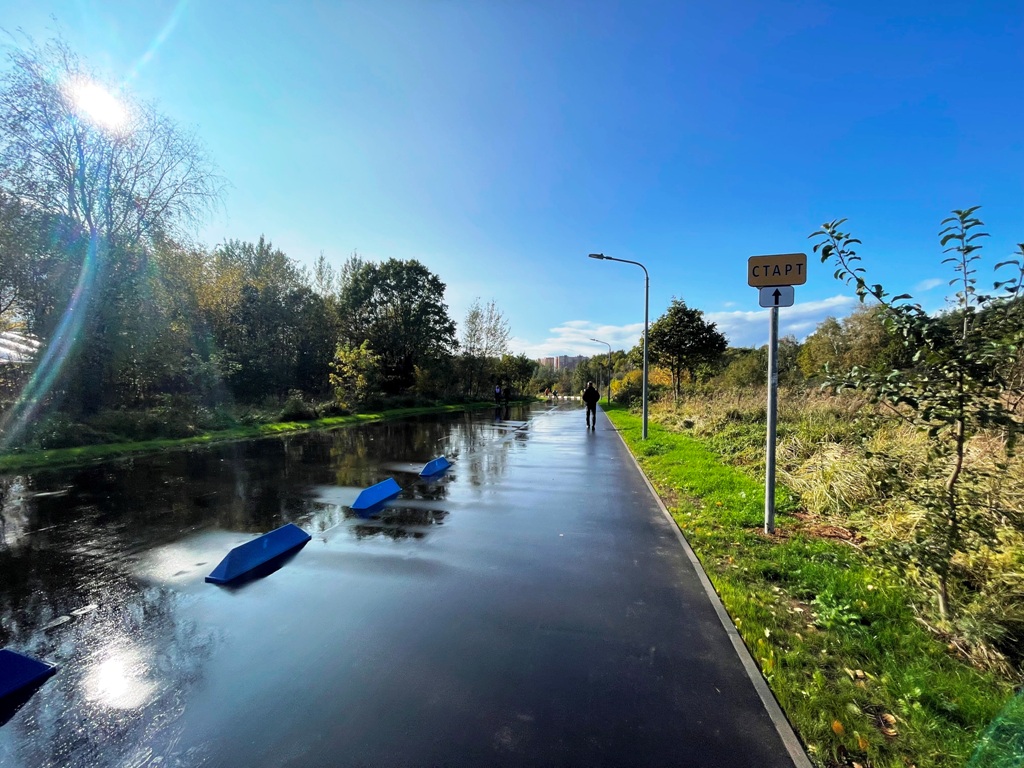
x=854 y=470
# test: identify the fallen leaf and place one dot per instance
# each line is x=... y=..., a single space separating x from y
x=861 y=742
x=857 y=765
x=837 y=728
x=888 y=725
x=850 y=672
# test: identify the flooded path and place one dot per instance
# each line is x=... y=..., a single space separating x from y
x=531 y=607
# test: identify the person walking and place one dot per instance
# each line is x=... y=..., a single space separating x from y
x=591 y=397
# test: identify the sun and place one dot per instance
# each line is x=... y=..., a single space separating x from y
x=93 y=101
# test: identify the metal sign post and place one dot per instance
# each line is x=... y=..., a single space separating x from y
x=775 y=277
x=773 y=409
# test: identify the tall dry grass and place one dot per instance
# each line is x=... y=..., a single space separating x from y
x=857 y=466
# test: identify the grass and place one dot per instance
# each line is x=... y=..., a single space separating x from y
x=834 y=633
x=57 y=457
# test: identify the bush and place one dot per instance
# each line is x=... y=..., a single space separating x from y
x=296 y=409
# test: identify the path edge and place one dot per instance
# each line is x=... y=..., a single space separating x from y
x=782 y=725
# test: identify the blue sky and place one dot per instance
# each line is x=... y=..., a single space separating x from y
x=500 y=141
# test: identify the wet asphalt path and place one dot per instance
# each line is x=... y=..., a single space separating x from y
x=551 y=618
x=559 y=625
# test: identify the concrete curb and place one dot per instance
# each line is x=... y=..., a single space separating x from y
x=778 y=718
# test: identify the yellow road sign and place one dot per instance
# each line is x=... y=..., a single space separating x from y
x=781 y=269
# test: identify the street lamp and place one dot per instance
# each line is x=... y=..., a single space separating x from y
x=609 y=392
x=647 y=292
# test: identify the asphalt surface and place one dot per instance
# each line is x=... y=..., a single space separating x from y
x=539 y=612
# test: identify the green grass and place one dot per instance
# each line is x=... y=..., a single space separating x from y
x=57 y=457
x=833 y=632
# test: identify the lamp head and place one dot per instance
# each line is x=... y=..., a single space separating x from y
x=597 y=256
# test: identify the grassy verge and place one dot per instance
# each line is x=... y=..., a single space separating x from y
x=16 y=461
x=860 y=679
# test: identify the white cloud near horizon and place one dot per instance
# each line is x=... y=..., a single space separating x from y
x=750 y=329
x=572 y=337
x=742 y=329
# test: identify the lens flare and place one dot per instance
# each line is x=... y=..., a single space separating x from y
x=94 y=102
x=28 y=404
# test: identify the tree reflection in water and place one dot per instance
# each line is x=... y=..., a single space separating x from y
x=82 y=585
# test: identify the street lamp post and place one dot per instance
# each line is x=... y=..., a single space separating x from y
x=609 y=392
x=647 y=292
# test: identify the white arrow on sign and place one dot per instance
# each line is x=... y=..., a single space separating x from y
x=775 y=296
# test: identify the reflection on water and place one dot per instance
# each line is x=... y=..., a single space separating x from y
x=101 y=567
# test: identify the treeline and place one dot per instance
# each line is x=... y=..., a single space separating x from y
x=146 y=334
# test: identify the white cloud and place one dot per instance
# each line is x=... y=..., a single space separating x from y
x=743 y=329
x=728 y=304
x=750 y=329
x=572 y=337
x=927 y=285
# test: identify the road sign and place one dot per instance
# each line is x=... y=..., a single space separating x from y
x=781 y=269
x=776 y=296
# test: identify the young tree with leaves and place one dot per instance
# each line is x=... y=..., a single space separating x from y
x=954 y=388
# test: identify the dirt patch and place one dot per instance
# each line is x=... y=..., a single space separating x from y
x=814 y=526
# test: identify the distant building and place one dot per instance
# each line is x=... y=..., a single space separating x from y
x=562 y=362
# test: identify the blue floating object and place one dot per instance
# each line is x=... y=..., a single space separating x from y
x=435 y=467
x=246 y=558
x=20 y=673
x=376 y=494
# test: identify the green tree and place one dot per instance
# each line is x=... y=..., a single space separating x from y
x=681 y=340
x=954 y=388
x=516 y=370
x=354 y=374
x=398 y=307
x=823 y=350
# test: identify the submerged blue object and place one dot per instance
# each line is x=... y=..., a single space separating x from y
x=435 y=467
x=18 y=673
x=375 y=494
x=245 y=558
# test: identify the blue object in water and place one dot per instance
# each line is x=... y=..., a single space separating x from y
x=435 y=467
x=20 y=673
x=376 y=494
x=246 y=558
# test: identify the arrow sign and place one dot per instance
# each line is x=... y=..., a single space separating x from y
x=776 y=296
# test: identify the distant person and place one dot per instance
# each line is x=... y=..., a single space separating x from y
x=591 y=397
x=497 y=393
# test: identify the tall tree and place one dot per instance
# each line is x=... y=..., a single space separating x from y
x=485 y=333
x=398 y=307
x=681 y=340
x=117 y=175
x=104 y=159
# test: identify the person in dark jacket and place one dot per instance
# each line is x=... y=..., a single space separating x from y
x=591 y=397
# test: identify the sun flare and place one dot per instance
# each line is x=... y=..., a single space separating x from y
x=98 y=104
